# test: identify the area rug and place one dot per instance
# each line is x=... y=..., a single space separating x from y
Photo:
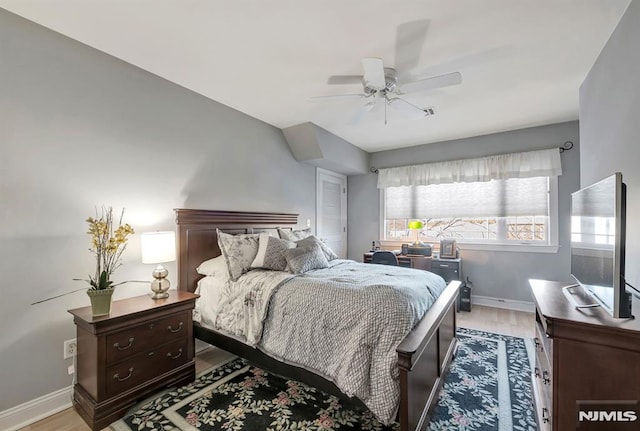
x=488 y=388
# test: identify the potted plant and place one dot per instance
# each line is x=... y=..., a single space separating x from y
x=108 y=242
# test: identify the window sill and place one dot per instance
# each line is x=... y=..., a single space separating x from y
x=516 y=248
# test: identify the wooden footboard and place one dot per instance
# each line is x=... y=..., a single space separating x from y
x=424 y=357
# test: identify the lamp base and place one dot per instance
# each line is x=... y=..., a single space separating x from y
x=160 y=285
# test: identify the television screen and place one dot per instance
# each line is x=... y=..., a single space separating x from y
x=597 y=241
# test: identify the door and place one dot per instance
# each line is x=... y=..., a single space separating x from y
x=331 y=210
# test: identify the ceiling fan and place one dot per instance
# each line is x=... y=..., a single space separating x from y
x=388 y=84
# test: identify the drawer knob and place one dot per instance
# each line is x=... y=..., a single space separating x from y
x=151 y=325
x=128 y=376
x=169 y=355
x=175 y=330
x=128 y=346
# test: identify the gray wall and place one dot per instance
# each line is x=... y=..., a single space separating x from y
x=312 y=144
x=79 y=128
x=610 y=124
x=497 y=274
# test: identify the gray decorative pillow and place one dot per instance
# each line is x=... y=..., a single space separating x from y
x=294 y=235
x=306 y=258
x=239 y=251
x=271 y=253
x=328 y=253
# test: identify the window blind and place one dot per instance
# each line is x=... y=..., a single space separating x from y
x=495 y=198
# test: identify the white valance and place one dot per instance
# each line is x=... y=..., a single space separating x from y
x=540 y=163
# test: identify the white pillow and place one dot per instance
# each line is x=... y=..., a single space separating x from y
x=214 y=267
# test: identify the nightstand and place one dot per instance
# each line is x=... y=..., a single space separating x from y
x=141 y=346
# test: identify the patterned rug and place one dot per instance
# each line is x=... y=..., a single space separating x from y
x=488 y=388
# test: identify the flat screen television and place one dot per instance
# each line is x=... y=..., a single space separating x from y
x=598 y=243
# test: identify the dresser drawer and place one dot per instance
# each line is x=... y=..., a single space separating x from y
x=543 y=343
x=137 y=339
x=145 y=366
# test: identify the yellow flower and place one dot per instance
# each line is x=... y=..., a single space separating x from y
x=107 y=244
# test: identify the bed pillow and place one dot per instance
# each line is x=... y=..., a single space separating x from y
x=305 y=258
x=238 y=251
x=312 y=239
x=271 y=252
x=214 y=267
x=294 y=235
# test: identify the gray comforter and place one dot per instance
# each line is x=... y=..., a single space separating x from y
x=345 y=322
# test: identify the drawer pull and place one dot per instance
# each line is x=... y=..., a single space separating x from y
x=536 y=372
x=117 y=376
x=175 y=330
x=545 y=415
x=151 y=325
x=169 y=355
x=117 y=345
x=545 y=377
x=536 y=341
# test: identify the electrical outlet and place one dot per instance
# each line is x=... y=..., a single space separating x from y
x=70 y=348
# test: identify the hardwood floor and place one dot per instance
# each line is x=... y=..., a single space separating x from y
x=508 y=322
x=499 y=320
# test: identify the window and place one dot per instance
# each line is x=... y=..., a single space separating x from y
x=510 y=211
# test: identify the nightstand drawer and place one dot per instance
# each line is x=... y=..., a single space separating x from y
x=130 y=342
x=145 y=366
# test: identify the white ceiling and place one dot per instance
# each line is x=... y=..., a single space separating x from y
x=522 y=61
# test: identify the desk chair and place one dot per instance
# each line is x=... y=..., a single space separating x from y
x=384 y=258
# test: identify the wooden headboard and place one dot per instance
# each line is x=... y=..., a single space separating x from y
x=198 y=241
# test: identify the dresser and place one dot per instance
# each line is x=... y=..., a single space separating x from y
x=585 y=361
x=141 y=346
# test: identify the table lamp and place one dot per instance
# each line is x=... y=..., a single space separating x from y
x=416 y=225
x=157 y=248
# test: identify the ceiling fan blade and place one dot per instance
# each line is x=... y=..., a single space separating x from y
x=374 y=72
x=408 y=110
x=445 y=80
x=362 y=112
x=410 y=38
x=344 y=79
x=336 y=97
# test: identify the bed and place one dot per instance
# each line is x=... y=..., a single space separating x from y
x=423 y=356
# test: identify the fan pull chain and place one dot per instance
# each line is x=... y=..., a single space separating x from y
x=385 y=110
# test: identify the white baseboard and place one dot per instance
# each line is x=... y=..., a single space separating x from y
x=509 y=304
x=32 y=411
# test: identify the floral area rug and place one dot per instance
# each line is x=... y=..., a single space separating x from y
x=488 y=388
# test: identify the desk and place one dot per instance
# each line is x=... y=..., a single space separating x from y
x=449 y=269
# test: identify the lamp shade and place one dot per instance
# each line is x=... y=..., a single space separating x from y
x=415 y=224
x=158 y=247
